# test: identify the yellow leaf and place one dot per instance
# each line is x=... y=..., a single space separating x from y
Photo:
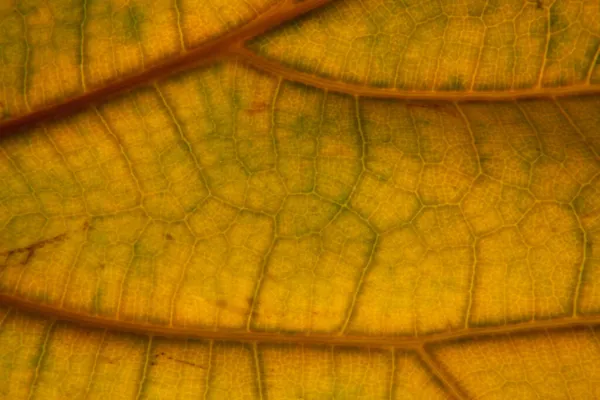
x=299 y=199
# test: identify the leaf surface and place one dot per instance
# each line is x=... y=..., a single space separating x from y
x=375 y=199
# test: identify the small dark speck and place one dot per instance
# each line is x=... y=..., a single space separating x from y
x=168 y=236
x=222 y=303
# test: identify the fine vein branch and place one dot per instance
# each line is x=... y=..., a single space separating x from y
x=438 y=371
x=283 y=11
x=399 y=342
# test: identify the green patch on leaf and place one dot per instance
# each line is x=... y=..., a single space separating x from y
x=455 y=83
x=134 y=17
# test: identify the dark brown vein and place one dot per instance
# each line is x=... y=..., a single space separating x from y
x=290 y=74
x=283 y=11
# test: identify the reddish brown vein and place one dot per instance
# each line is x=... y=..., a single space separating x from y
x=400 y=342
x=232 y=44
x=290 y=74
x=437 y=371
x=283 y=11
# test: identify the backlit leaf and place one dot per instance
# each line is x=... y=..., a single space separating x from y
x=299 y=199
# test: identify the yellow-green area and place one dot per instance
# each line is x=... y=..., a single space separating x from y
x=558 y=365
x=66 y=361
x=53 y=50
x=471 y=45
x=227 y=198
x=226 y=230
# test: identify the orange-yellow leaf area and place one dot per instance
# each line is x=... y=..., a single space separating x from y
x=337 y=208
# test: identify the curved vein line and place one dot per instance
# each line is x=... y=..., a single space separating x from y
x=281 y=12
x=274 y=67
x=595 y=59
x=395 y=341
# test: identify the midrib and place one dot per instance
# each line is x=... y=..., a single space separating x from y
x=350 y=340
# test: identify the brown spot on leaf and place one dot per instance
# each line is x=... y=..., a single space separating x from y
x=108 y=360
x=32 y=248
x=426 y=105
x=257 y=107
x=177 y=360
x=222 y=303
x=168 y=236
x=87 y=226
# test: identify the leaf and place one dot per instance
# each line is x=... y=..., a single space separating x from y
x=295 y=199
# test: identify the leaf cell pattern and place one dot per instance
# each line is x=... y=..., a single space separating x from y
x=231 y=214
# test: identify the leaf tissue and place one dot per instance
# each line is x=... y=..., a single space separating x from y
x=299 y=199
